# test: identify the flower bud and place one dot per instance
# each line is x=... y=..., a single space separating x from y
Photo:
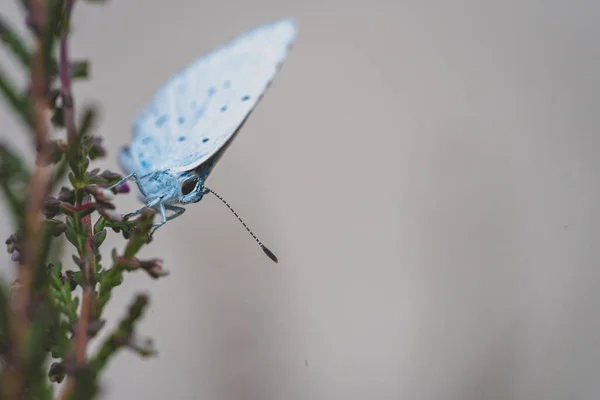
x=97 y=150
x=57 y=372
x=110 y=215
x=154 y=268
x=110 y=176
x=66 y=195
x=124 y=188
x=100 y=193
x=144 y=346
x=51 y=207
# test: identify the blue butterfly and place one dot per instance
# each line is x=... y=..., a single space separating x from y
x=193 y=118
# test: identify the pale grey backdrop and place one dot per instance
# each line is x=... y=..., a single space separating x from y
x=426 y=172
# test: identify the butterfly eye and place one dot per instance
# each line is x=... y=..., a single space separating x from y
x=189 y=186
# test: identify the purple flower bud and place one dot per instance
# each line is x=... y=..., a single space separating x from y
x=124 y=188
x=100 y=193
x=51 y=207
x=66 y=195
x=95 y=326
x=97 y=149
x=110 y=176
x=71 y=278
x=14 y=256
x=154 y=267
x=12 y=244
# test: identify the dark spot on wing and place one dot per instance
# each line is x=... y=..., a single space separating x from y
x=181 y=120
x=224 y=108
x=146 y=140
x=161 y=120
x=212 y=91
x=181 y=138
x=227 y=84
x=246 y=98
x=145 y=164
x=205 y=140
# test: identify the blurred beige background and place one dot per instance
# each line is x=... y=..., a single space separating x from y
x=427 y=173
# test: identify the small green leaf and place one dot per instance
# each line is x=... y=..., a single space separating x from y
x=14 y=177
x=141 y=234
x=14 y=43
x=37 y=351
x=86 y=385
x=78 y=261
x=55 y=227
x=56 y=269
x=59 y=174
x=80 y=69
x=90 y=115
x=99 y=238
x=99 y=225
x=55 y=14
x=71 y=233
x=75 y=304
x=72 y=178
x=19 y=103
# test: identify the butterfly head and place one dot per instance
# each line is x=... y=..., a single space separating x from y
x=191 y=189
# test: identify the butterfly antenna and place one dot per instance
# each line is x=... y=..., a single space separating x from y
x=262 y=246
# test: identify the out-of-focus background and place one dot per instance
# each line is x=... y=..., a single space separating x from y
x=427 y=173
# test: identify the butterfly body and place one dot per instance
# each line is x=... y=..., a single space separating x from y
x=170 y=187
x=193 y=118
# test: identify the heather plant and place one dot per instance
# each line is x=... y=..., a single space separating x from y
x=54 y=306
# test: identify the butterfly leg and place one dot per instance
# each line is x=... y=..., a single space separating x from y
x=135 y=212
x=163 y=216
x=177 y=211
x=133 y=177
x=139 y=210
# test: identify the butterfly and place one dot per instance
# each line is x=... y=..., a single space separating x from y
x=194 y=117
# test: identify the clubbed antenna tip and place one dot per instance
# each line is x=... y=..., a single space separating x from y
x=262 y=246
x=269 y=253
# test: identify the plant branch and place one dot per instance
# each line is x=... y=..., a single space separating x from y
x=124 y=335
x=81 y=335
x=38 y=189
x=43 y=317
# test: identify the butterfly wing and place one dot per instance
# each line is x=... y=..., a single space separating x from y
x=195 y=115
